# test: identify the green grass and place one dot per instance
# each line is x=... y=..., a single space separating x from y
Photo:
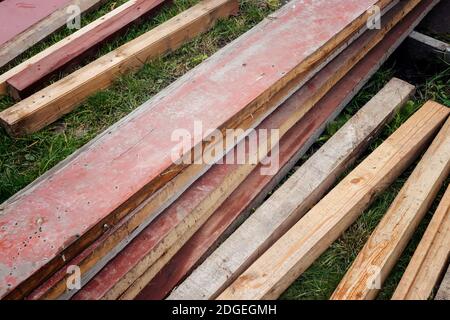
x=22 y=160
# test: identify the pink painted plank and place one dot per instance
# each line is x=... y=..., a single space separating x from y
x=59 y=215
x=17 y=16
x=253 y=190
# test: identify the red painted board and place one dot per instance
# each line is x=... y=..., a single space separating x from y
x=26 y=81
x=151 y=237
x=17 y=16
x=53 y=219
x=292 y=146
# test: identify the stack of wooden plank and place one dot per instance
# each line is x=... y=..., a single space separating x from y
x=137 y=212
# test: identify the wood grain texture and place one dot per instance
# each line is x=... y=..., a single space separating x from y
x=41 y=29
x=430 y=258
x=444 y=289
x=126 y=271
x=293 y=198
x=90 y=37
x=94 y=257
x=122 y=154
x=158 y=243
x=251 y=193
x=383 y=248
x=299 y=247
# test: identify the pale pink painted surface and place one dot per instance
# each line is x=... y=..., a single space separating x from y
x=17 y=16
x=47 y=218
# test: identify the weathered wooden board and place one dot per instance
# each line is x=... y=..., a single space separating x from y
x=133 y=158
x=125 y=270
x=90 y=37
x=376 y=57
x=373 y=264
x=430 y=258
x=297 y=249
x=255 y=188
x=46 y=17
x=293 y=198
x=444 y=289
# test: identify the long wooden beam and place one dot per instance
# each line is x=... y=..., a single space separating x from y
x=383 y=248
x=25 y=82
x=376 y=57
x=255 y=188
x=294 y=198
x=298 y=248
x=430 y=258
x=107 y=286
x=134 y=159
x=104 y=249
x=46 y=17
x=83 y=169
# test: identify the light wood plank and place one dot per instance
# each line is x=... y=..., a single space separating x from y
x=430 y=258
x=293 y=198
x=373 y=264
x=39 y=31
x=298 y=248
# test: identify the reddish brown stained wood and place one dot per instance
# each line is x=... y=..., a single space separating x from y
x=121 y=168
x=28 y=80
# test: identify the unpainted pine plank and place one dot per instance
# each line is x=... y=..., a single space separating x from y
x=430 y=258
x=444 y=289
x=293 y=198
x=41 y=29
x=122 y=154
x=299 y=247
x=373 y=264
x=24 y=83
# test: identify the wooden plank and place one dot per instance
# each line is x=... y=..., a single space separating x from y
x=383 y=248
x=297 y=249
x=103 y=249
x=254 y=189
x=86 y=40
x=430 y=258
x=40 y=29
x=444 y=289
x=134 y=158
x=126 y=270
x=277 y=214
